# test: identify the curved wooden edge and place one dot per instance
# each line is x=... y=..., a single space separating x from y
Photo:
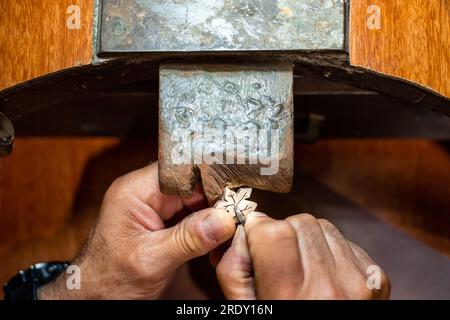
x=43 y=61
x=405 y=39
x=26 y=98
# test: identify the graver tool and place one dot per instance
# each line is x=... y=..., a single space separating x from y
x=236 y=204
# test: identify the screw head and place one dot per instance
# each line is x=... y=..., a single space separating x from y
x=6 y=140
x=118 y=28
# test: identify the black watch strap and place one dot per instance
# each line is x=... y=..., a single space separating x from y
x=24 y=285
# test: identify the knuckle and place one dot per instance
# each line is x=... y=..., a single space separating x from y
x=306 y=217
x=302 y=219
x=137 y=264
x=325 y=223
x=360 y=291
x=385 y=280
x=233 y=283
x=330 y=291
x=385 y=286
x=234 y=272
x=117 y=188
x=331 y=229
x=222 y=271
x=272 y=232
x=234 y=265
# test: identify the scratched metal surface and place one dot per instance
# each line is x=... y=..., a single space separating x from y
x=244 y=99
x=221 y=25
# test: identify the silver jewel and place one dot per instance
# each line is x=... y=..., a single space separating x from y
x=236 y=203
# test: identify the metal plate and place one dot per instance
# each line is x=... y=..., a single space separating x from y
x=233 y=123
x=221 y=25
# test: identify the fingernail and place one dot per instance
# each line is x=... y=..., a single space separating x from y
x=217 y=225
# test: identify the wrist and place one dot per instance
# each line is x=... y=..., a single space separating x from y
x=65 y=286
x=55 y=290
x=26 y=283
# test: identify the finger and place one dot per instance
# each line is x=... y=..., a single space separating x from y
x=365 y=263
x=340 y=247
x=144 y=184
x=275 y=257
x=145 y=217
x=253 y=216
x=362 y=257
x=348 y=271
x=216 y=254
x=194 y=236
x=234 y=271
x=314 y=250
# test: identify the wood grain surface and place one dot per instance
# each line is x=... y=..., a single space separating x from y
x=35 y=41
x=413 y=42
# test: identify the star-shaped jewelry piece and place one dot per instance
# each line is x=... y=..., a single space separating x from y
x=236 y=203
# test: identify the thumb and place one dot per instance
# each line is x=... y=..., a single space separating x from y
x=234 y=271
x=196 y=235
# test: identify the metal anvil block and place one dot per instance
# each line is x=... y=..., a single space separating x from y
x=228 y=125
x=221 y=25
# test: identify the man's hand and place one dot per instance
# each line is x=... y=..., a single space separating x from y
x=130 y=254
x=297 y=258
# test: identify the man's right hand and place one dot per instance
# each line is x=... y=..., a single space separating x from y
x=297 y=258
